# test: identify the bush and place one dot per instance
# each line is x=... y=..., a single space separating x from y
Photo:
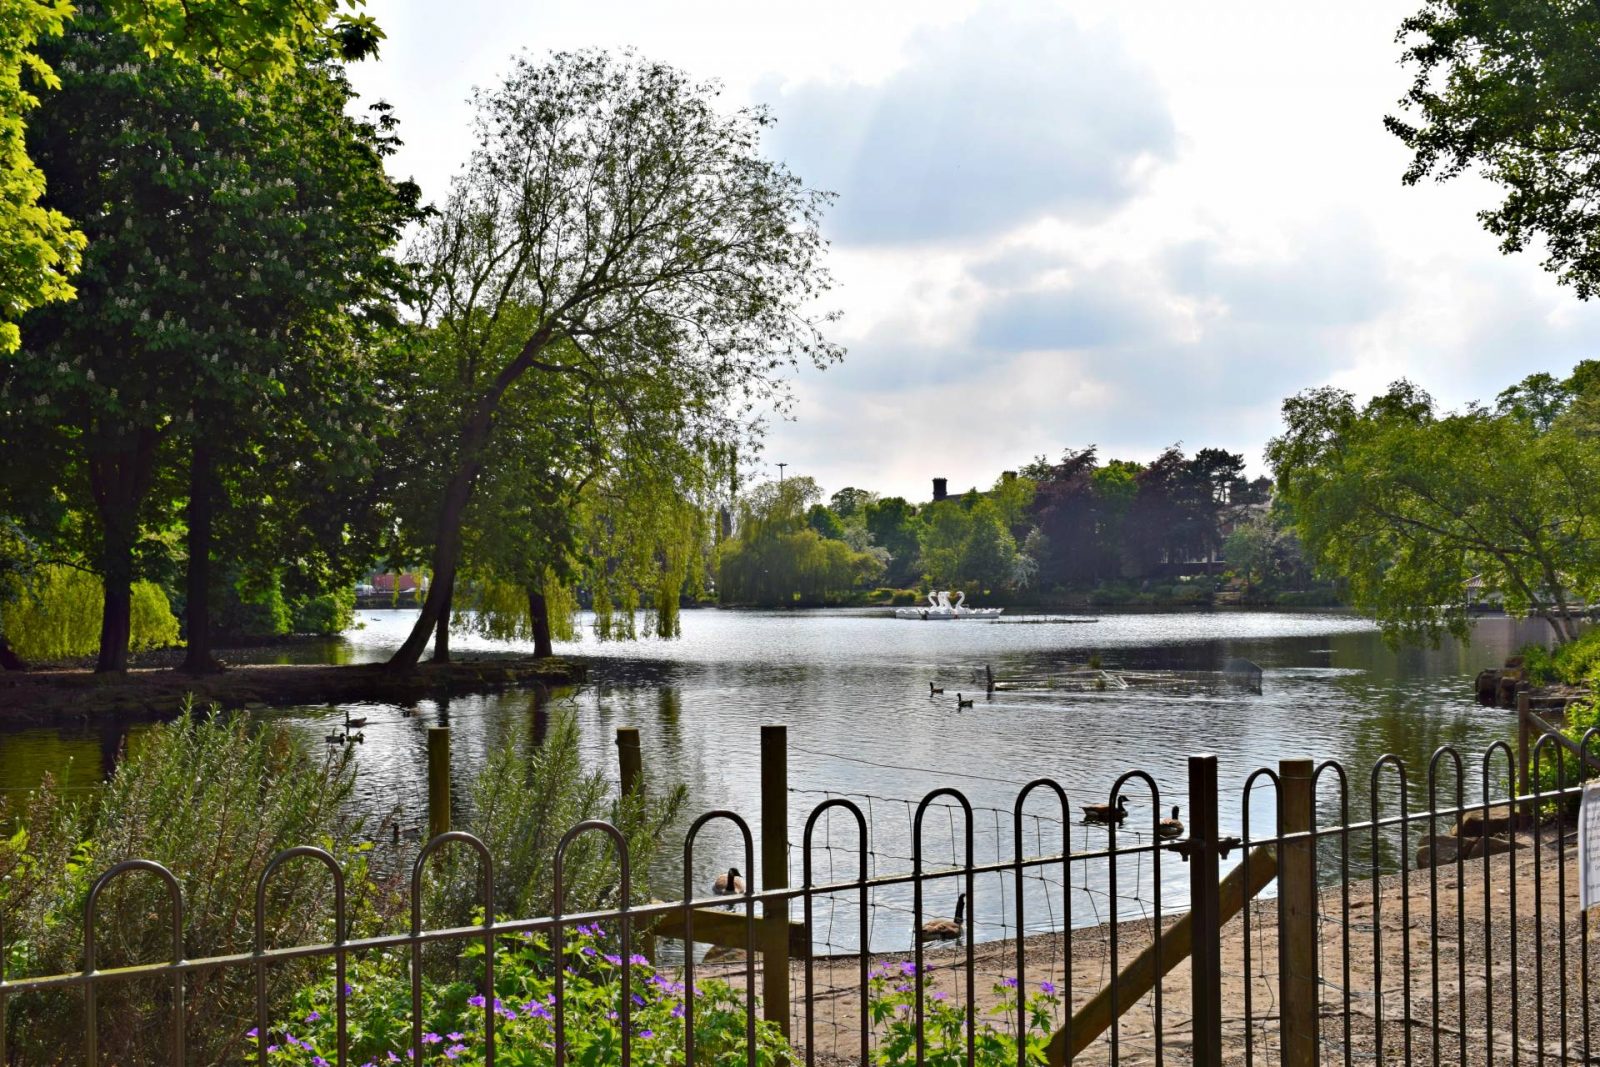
x=1578 y=662
x=1538 y=665
x=59 y=617
x=523 y=998
x=892 y=1000
x=212 y=801
x=523 y=800
x=328 y=615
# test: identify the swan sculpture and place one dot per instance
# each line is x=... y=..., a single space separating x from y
x=940 y=608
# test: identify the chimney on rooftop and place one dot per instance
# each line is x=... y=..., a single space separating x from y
x=939 y=490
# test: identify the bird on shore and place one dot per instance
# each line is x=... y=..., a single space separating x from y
x=945 y=929
x=1105 y=814
x=963 y=702
x=727 y=885
x=1170 y=828
x=935 y=690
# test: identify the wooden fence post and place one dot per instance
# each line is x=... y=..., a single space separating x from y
x=1297 y=917
x=629 y=760
x=1205 y=961
x=438 y=781
x=1524 y=744
x=775 y=875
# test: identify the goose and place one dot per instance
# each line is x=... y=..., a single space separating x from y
x=963 y=702
x=945 y=929
x=729 y=884
x=1105 y=813
x=1170 y=828
x=334 y=738
x=935 y=690
x=356 y=723
x=410 y=833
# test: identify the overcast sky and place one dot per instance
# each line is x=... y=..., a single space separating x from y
x=1127 y=225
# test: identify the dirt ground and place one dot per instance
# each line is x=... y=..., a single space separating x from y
x=1539 y=1001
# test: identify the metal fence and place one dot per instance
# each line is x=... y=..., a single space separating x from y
x=1439 y=925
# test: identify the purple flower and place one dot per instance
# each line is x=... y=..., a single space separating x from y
x=476 y=1000
x=431 y=1039
x=347 y=989
x=534 y=1010
x=902 y=988
x=272 y=1048
x=1047 y=987
x=613 y=959
x=318 y=1061
x=677 y=1010
x=637 y=999
x=313 y=1017
x=908 y=968
x=454 y=1050
x=1009 y=982
x=938 y=996
x=252 y=1033
x=647 y=1034
x=638 y=960
x=457 y=1036
x=587 y=951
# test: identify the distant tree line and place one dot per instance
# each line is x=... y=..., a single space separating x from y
x=1048 y=529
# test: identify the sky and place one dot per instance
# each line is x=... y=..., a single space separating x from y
x=1062 y=224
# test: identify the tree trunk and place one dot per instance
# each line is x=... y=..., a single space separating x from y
x=447 y=540
x=118 y=480
x=539 y=621
x=441 y=629
x=197 y=608
x=9 y=660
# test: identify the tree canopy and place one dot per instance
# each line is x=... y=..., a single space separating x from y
x=1420 y=511
x=1511 y=88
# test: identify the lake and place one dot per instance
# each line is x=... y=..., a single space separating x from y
x=852 y=688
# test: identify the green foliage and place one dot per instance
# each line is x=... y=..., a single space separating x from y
x=892 y=1001
x=211 y=800
x=526 y=796
x=260 y=40
x=59 y=616
x=1511 y=89
x=1409 y=506
x=967 y=546
x=39 y=249
x=1576 y=663
x=327 y=615
x=777 y=558
x=594 y=998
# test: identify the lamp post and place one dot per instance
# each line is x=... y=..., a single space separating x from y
x=780 y=472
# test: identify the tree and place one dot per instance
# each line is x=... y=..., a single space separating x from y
x=1412 y=508
x=777 y=558
x=39 y=249
x=894 y=526
x=652 y=246
x=822 y=519
x=967 y=545
x=1512 y=88
x=849 y=501
x=236 y=243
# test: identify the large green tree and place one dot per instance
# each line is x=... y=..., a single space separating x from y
x=236 y=245
x=1414 y=508
x=654 y=246
x=1511 y=88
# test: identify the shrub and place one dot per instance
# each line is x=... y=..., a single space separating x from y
x=523 y=999
x=1538 y=665
x=892 y=999
x=59 y=616
x=523 y=800
x=328 y=614
x=212 y=801
x=1578 y=662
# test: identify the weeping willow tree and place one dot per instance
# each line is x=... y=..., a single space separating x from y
x=597 y=494
x=776 y=558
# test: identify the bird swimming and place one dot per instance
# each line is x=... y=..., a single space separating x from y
x=1105 y=814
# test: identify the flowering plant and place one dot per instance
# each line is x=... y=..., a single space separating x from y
x=892 y=997
x=378 y=1007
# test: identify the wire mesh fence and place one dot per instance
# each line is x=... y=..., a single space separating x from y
x=1424 y=915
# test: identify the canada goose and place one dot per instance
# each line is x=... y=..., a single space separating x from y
x=1105 y=813
x=729 y=884
x=945 y=929
x=935 y=690
x=334 y=738
x=1170 y=828
x=350 y=723
x=410 y=833
x=963 y=702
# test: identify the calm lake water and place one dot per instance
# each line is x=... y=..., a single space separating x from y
x=852 y=688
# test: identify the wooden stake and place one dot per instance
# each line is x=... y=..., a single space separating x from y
x=774 y=936
x=629 y=761
x=438 y=780
x=1297 y=917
